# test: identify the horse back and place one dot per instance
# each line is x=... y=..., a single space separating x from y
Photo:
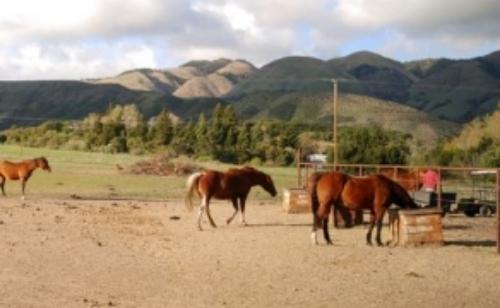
x=12 y=171
x=225 y=185
x=367 y=192
x=329 y=186
x=408 y=179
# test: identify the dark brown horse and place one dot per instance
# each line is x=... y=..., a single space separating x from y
x=21 y=171
x=234 y=185
x=375 y=193
x=410 y=180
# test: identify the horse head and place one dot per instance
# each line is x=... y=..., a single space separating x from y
x=43 y=163
x=268 y=185
x=402 y=197
x=264 y=180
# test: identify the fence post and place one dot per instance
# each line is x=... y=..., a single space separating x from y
x=299 y=167
x=440 y=190
x=498 y=210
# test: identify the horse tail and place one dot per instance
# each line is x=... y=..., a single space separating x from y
x=312 y=183
x=191 y=184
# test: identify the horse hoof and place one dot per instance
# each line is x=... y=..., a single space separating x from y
x=329 y=243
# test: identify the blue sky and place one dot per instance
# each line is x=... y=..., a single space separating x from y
x=77 y=39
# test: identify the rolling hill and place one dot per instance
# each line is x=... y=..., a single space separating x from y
x=373 y=89
x=33 y=102
x=353 y=110
x=193 y=79
x=455 y=90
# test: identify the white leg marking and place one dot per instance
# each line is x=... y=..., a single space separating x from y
x=314 y=239
x=200 y=212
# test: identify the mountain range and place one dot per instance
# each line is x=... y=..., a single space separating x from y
x=442 y=93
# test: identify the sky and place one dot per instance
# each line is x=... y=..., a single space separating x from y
x=78 y=39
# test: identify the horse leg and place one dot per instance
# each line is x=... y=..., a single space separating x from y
x=201 y=210
x=326 y=234
x=23 y=186
x=242 y=212
x=314 y=238
x=380 y=217
x=370 y=228
x=234 y=201
x=212 y=223
x=2 y=184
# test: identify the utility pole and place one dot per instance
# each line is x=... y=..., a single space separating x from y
x=335 y=144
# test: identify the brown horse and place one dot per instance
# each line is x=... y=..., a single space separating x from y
x=234 y=185
x=375 y=193
x=21 y=171
x=410 y=180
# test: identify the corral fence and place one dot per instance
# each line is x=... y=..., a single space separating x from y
x=460 y=182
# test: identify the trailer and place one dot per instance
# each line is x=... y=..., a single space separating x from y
x=483 y=200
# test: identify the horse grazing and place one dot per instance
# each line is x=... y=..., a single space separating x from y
x=410 y=180
x=375 y=193
x=21 y=171
x=234 y=185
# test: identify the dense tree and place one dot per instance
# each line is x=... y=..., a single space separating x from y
x=221 y=136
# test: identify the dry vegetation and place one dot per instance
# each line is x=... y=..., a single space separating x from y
x=162 y=165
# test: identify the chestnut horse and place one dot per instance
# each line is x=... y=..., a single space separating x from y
x=234 y=185
x=410 y=180
x=376 y=193
x=21 y=171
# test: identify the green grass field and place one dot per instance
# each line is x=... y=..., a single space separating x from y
x=95 y=175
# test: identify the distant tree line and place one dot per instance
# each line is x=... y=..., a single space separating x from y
x=478 y=144
x=220 y=135
x=123 y=129
x=485 y=154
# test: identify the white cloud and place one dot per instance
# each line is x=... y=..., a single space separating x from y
x=140 y=57
x=88 y=38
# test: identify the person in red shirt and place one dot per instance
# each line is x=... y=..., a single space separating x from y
x=430 y=180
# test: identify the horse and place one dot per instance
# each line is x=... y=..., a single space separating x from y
x=376 y=193
x=234 y=185
x=410 y=180
x=21 y=171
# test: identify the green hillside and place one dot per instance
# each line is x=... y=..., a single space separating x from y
x=353 y=110
x=32 y=102
x=455 y=90
x=291 y=88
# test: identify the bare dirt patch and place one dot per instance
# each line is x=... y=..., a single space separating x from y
x=80 y=253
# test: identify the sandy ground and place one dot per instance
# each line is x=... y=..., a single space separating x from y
x=82 y=253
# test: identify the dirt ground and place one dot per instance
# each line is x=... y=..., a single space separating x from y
x=84 y=253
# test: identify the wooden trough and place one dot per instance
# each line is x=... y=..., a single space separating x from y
x=410 y=228
x=296 y=200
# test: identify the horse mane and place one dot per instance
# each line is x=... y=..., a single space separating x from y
x=249 y=168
